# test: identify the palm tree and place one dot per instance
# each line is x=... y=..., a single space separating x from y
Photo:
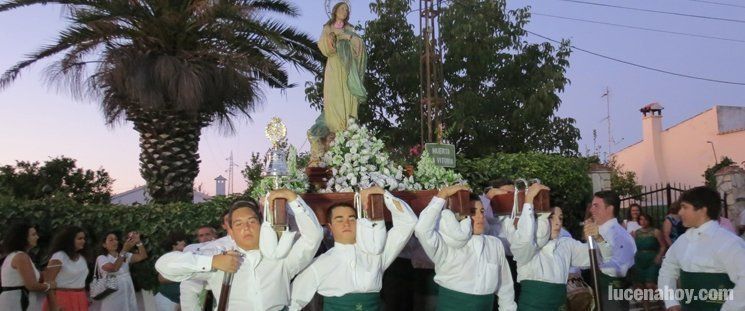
x=172 y=67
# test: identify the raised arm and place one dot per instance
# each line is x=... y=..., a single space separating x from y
x=404 y=221
x=310 y=230
x=425 y=232
x=523 y=243
x=120 y=259
x=141 y=250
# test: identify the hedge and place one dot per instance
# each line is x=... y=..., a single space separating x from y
x=155 y=222
x=571 y=187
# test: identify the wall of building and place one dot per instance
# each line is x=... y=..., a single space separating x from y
x=685 y=151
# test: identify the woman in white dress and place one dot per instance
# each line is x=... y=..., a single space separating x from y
x=68 y=269
x=20 y=279
x=631 y=224
x=115 y=261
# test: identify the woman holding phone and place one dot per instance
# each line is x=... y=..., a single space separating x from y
x=115 y=260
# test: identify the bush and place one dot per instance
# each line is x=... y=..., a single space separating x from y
x=571 y=187
x=154 y=221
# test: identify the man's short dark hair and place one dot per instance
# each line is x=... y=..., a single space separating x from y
x=701 y=197
x=173 y=238
x=472 y=197
x=610 y=197
x=331 y=208
x=247 y=203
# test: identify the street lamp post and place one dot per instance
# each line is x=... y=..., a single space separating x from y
x=716 y=160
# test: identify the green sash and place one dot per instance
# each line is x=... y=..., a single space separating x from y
x=352 y=302
x=706 y=281
x=448 y=300
x=172 y=291
x=541 y=296
x=604 y=280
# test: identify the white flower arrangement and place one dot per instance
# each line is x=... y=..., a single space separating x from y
x=358 y=160
x=296 y=180
x=433 y=176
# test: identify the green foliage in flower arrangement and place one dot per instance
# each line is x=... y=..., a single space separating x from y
x=433 y=176
x=296 y=180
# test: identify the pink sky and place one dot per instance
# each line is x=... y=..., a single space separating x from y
x=37 y=122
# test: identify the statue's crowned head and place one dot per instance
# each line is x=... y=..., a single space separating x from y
x=341 y=9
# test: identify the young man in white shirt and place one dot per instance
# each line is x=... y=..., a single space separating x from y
x=705 y=257
x=349 y=275
x=544 y=256
x=260 y=282
x=470 y=268
x=604 y=211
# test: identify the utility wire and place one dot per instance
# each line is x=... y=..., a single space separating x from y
x=640 y=66
x=719 y=3
x=656 y=11
x=639 y=28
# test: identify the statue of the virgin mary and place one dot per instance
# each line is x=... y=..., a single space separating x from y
x=343 y=78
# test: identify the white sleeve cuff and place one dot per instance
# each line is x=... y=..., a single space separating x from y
x=204 y=263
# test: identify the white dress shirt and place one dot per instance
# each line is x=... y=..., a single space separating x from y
x=347 y=268
x=260 y=283
x=497 y=225
x=191 y=289
x=551 y=262
x=710 y=249
x=478 y=268
x=622 y=249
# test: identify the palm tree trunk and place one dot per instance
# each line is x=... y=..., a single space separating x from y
x=169 y=158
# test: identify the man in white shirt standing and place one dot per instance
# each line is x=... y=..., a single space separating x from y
x=469 y=269
x=260 y=282
x=191 y=295
x=194 y=294
x=705 y=257
x=349 y=276
x=604 y=211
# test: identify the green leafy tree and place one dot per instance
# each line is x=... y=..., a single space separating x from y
x=501 y=91
x=59 y=177
x=622 y=181
x=172 y=68
x=709 y=179
x=252 y=171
